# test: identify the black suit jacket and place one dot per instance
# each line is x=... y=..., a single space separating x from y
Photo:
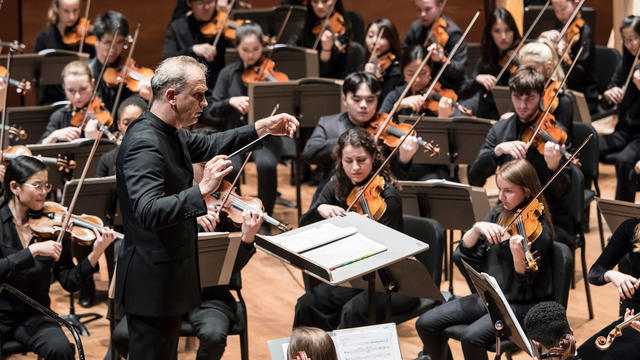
x=157 y=271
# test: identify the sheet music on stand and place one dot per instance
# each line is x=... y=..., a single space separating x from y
x=615 y=212
x=375 y=342
x=499 y=309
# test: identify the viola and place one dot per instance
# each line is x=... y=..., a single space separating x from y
x=526 y=222
x=46 y=224
x=96 y=110
x=22 y=87
x=392 y=134
x=371 y=203
x=211 y=28
x=73 y=35
x=235 y=204
x=263 y=70
x=15 y=132
x=13 y=152
x=335 y=24
x=131 y=74
x=432 y=103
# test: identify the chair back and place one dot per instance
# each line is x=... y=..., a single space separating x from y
x=562 y=269
x=355 y=57
x=606 y=57
x=430 y=232
x=589 y=155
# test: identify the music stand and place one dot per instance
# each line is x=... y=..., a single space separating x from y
x=502 y=98
x=431 y=128
x=468 y=137
x=271 y=19
x=580 y=107
x=504 y=320
x=77 y=150
x=548 y=19
x=97 y=197
x=296 y=62
x=307 y=99
x=217 y=253
x=32 y=119
x=53 y=61
x=458 y=207
x=615 y=212
x=398 y=247
x=24 y=66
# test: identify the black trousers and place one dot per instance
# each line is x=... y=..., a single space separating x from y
x=212 y=322
x=267 y=159
x=153 y=338
x=45 y=338
x=625 y=152
x=467 y=310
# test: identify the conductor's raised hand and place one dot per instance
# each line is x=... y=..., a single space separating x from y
x=214 y=171
x=278 y=125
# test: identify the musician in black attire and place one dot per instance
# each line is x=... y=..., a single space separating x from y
x=623 y=145
x=547 y=326
x=483 y=248
x=28 y=265
x=503 y=143
x=156 y=278
x=329 y=307
x=62 y=14
x=185 y=38
x=625 y=242
x=388 y=47
x=428 y=10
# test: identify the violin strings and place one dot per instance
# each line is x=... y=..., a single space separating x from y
x=241 y=205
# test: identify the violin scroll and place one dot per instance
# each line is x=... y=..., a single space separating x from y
x=603 y=343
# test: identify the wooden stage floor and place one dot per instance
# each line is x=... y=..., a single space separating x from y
x=271 y=292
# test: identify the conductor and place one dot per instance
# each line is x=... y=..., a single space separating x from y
x=157 y=276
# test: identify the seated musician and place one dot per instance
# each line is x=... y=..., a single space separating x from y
x=104 y=28
x=447 y=34
x=547 y=326
x=504 y=142
x=78 y=84
x=26 y=263
x=360 y=98
x=385 y=64
x=332 y=47
x=623 y=145
x=625 y=242
x=488 y=248
x=499 y=38
x=541 y=56
x=184 y=37
x=329 y=307
x=61 y=16
x=314 y=343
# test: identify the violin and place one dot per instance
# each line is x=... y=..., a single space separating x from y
x=392 y=134
x=235 y=204
x=335 y=24
x=503 y=61
x=432 y=103
x=603 y=343
x=550 y=97
x=96 y=110
x=46 y=224
x=22 y=87
x=14 y=45
x=130 y=74
x=439 y=31
x=573 y=35
x=73 y=35
x=526 y=223
x=15 y=132
x=13 y=152
x=382 y=63
x=371 y=202
x=211 y=28
x=263 y=70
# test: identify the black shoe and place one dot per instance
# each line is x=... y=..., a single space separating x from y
x=87 y=292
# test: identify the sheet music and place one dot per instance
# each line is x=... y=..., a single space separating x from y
x=315 y=236
x=345 y=251
x=368 y=342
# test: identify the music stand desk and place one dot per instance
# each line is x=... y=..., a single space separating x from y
x=469 y=135
x=217 y=253
x=502 y=98
x=24 y=66
x=431 y=129
x=615 y=212
x=271 y=19
x=32 y=119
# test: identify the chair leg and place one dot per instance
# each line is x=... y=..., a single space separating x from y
x=599 y=215
x=451 y=263
x=573 y=271
x=244 y=344
x=585 y=276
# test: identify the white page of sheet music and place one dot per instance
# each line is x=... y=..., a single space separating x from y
x=344 y=251
x=376 y=342
x=313 y=237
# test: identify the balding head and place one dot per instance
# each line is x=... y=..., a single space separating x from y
x=173 y=73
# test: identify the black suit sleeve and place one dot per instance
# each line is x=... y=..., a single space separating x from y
x=245 y=252
x=619 y=245
x=152 y=208
x=67 y=273
x=56 y=121
x=15 y=263
x=619 y=76
x=220 y=96
x=319 y=146
x=486 y=163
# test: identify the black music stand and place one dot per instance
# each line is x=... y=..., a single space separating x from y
x=271 y=19
x=502 y=98
x=53 y=61
x=97 y=198
x=455 y=206
x=468 y=136
x=77 y=150
x=307 y=99
x=296 y=62
x=615 y=212
x=398 y=247
x=504 y=320
x=548 y=20
x=217 y=253
x=24 y=66
x=432 y=128
x=32 y=119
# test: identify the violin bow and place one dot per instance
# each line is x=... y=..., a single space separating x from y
x=125 y=70
x=224 y=22
x=375 y=45
x=571 y=18
x=325 y=22
x=555 y=96
x=546 y=185
x=271 y=49
x=284 y=24
x=85 y=29
x=4 y=100
x=631 y=71
x=560 y=60
x=430 y=34
x=524 y=38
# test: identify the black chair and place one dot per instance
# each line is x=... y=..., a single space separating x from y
x=611 y=57
x=562 y=267
x=357 y=26
x=474 y=52
x=430 y=232
x=589 y=158
x=355 y=57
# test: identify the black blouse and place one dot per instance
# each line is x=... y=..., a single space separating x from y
x=229 y=84
x=108 y=93
x=629 y=118
x=60 y=119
